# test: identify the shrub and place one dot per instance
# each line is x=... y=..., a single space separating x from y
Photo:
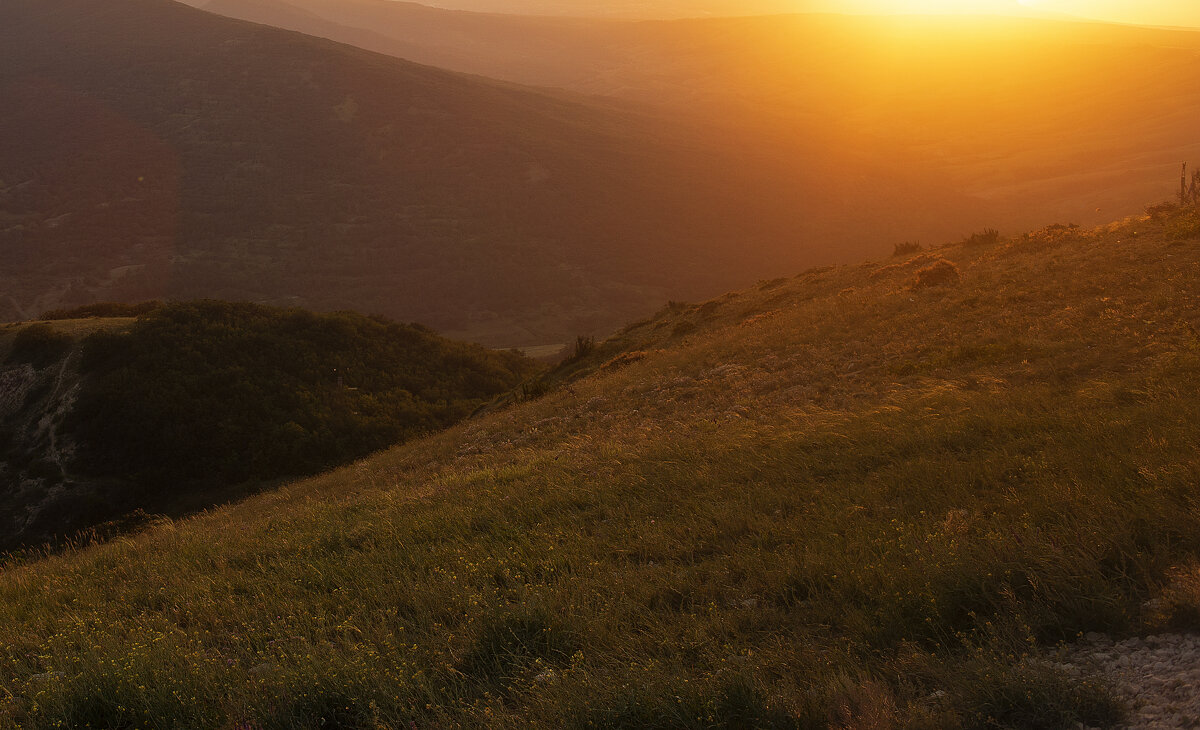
x=38 y=345
x=1184 y=227
x=939 y=273
x=1162 y=211
x=907 y=247
x=986 y=237
x=224 y=393
x=584 y=346
x=532 y=389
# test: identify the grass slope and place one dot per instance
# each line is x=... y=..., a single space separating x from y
x=837 y=499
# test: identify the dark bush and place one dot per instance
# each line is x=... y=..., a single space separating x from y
x=584 y=346
x=38 y=345
x=224 y=393
x=906 y=248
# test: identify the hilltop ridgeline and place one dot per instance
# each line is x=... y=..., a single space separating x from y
x=190 y=404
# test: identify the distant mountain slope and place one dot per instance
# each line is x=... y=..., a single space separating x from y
x=1047 y=119
x=192 y=404
x=870 y=496
x=700 y=8
x=213 y=157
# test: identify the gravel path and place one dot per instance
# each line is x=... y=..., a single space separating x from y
x=1158 y=676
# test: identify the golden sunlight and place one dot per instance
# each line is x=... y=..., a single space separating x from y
x=1145 y=12
x=940 y=7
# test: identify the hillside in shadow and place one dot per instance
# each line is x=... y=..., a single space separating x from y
x=1046 y=118
x=218 y=158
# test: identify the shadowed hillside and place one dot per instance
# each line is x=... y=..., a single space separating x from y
x=866 y=496
x=1046 y=119
x=216 y=158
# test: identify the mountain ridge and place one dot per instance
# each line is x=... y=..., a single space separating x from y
x=1027 y=130
x=491 y=212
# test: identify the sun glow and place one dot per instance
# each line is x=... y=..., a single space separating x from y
x=1146 y=12
x=940 y=7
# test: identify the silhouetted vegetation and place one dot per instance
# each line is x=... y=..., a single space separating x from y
x=584 y=346
x=986 y=237
x=38 y=345
x=212 y=391
x=907 y=247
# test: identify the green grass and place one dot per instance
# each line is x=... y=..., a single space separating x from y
x=833 y=502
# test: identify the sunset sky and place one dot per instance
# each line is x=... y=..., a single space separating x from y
x=1146 y=12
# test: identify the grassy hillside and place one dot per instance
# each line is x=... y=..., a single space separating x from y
x=858 y=497
x=193 y=404
x=218 y=158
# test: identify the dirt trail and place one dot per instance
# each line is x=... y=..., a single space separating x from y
x=1158 y=676
x=60 y=403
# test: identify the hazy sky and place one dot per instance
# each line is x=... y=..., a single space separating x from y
x=1148 y=12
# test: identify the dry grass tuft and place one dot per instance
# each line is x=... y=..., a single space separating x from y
x=939 y=273
x=625 y=358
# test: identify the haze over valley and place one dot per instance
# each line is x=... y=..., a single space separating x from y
x=1003 y=108
x=523 y=216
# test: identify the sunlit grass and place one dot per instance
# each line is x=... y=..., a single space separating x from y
x=832 y=500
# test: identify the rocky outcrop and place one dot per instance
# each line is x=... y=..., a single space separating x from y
x=36 y=456
x=1158 y=676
